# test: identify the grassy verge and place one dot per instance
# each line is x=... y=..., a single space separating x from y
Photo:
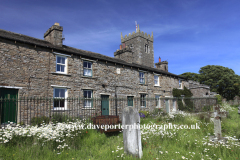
x=69 y=142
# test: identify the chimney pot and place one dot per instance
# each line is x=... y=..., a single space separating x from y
x=56 y=24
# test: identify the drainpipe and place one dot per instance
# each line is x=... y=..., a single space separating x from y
x=116 y=99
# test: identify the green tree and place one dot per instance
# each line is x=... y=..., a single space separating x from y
x=191 y=76
x=221 y=79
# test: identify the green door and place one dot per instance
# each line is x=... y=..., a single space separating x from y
x=130 y=101
x=167 y=105
x=105 y=105
x=8 y=105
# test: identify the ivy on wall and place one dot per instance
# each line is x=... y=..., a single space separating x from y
x=179 y=92
x=188 y=104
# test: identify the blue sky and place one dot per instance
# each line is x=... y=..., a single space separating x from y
x=189 y=34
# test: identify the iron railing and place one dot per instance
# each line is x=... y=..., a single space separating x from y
x=31 y=111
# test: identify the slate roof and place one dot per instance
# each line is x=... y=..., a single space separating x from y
x=70 y=50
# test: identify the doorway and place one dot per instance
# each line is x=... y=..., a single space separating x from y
x=8 y=105
x=167 y=105
x=105 y=105
x=130 y=101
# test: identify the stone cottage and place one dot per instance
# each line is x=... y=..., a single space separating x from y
x=32 y=67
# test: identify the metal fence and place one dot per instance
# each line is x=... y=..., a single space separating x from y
x=32 y=111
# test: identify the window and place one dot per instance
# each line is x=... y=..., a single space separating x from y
x=143 y=100
x=87 y=68
x=61 y=64
x=156 y=80
x=146 y=48
x=180 y=84
x=60 y=95
x=141 y=78
x=158 y=102
x=88 y=101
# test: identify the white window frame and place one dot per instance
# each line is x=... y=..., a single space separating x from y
x=143 y=99
x=180 y=84
x=65 y=98
x=61 y=64
x=88 y=99
x=158 y=84
x=141 y=77
x=84 y=68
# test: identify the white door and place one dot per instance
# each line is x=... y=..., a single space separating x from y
x=174 y=105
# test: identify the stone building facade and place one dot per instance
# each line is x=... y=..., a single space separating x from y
x=199 y=90
x=32 y=67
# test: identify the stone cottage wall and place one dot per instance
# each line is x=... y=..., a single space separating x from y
x=34 y=69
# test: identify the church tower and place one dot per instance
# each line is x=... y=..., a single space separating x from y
x=137 y=48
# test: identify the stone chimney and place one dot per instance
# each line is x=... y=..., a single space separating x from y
x=162 y=65
x=54 y=35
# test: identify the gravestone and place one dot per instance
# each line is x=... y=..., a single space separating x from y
x=238 y=109
x=131 y=132
x=217 y=126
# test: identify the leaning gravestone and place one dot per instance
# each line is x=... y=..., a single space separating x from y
x=131 y=132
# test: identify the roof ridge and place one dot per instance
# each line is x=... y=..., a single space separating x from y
x=19 y=34
x=64 y=48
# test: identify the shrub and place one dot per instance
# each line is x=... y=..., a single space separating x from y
x=204 y=117
x=61 y=118
x=179 y=118
x=179 y=92
x=207 y=108
x=180 y=105
x=145 y=113
x=189 y=105
x=142 y=115
x=39 y=120
x=156 y=111
x=219 y=99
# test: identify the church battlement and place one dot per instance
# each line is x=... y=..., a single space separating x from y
x=137 y=34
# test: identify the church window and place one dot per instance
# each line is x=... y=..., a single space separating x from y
x=141 y=78
x=146 y=48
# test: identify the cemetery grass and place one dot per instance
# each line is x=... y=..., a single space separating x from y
x=157 y=144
